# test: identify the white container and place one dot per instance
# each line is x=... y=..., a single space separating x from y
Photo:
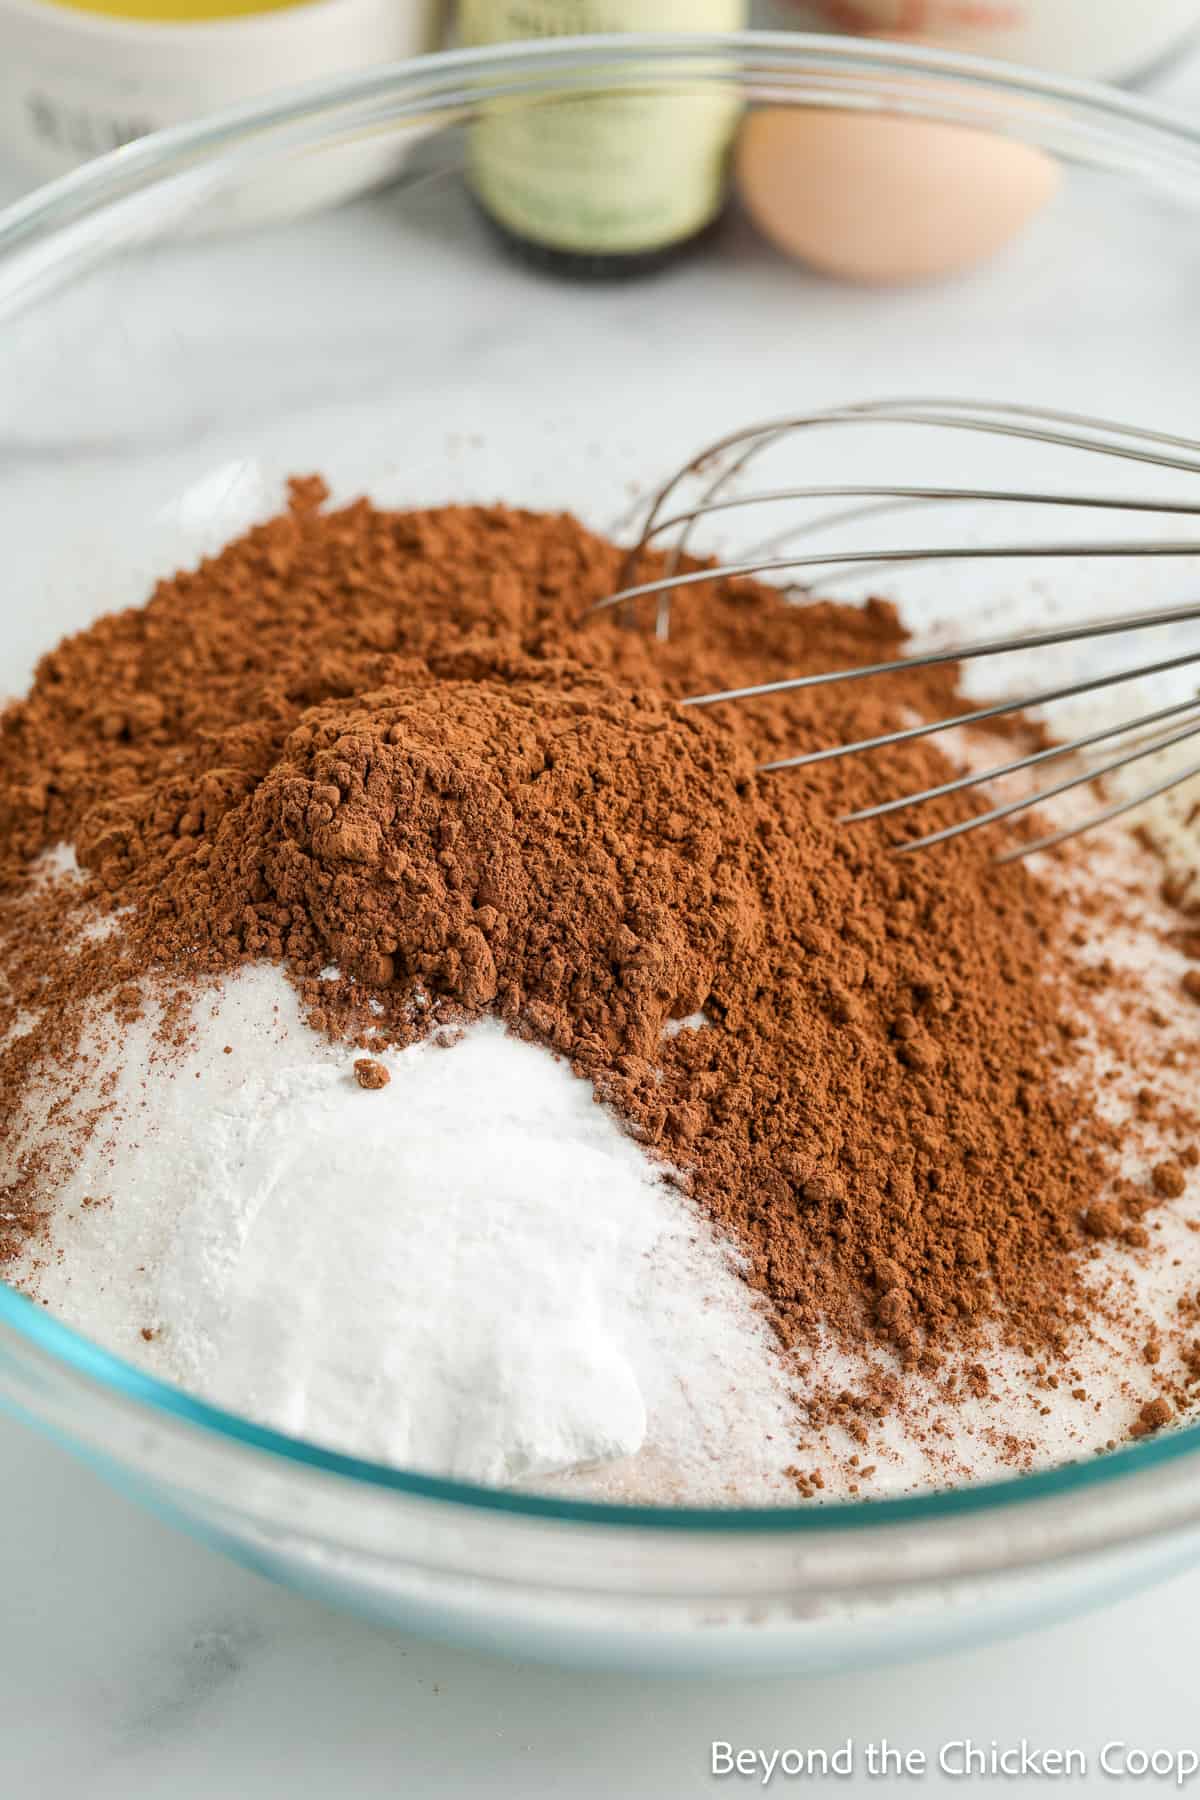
x=1105 y=40
x=75 y=83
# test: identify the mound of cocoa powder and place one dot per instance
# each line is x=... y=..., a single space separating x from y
x=400 y=744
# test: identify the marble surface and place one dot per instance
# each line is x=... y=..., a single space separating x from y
x=134 y=1662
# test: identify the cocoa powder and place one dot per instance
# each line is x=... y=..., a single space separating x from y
x=400 y=744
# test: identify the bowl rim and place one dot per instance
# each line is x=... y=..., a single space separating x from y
x=463 y=73
x=434 y=80
x=103 y=1370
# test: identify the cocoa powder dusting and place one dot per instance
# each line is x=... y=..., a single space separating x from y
x=370 y=1074
x=398 y=744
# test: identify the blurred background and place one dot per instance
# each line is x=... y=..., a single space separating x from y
x=81 y=78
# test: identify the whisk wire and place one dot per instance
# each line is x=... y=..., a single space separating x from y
x=859 y=491
x=930 y=553
x=1027 y=801
x=1053 y=753
x=1005 y=419
x=930 y=659
x=1116 y=811
x=980 y=715
x=722 y=462
x=993 y=417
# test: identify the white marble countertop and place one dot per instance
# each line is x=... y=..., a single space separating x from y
x=135 y=1662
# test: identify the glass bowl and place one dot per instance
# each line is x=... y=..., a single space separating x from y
x=157 y=383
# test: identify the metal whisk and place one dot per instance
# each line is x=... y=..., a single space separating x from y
x=722 y=462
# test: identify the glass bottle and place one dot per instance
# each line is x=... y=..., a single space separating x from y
x=604 y=185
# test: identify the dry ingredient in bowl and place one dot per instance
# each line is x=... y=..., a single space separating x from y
x=393 y=758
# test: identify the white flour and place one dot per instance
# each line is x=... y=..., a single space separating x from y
x=471 y=1271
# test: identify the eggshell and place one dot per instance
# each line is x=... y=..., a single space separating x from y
x=884 y=199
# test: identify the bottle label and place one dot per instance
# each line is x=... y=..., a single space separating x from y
x=615 y=174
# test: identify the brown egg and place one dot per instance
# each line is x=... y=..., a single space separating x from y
x=878 y=199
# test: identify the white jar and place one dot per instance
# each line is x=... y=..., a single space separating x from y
x=77 y=79
x=1106 y=40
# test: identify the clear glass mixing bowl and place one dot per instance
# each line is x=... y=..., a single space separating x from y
x=157 y=381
